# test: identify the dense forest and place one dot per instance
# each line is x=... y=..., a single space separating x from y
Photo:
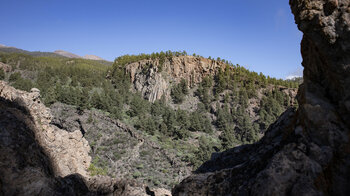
x=221 y=120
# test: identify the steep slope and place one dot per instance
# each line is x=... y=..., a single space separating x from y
x=304 y=152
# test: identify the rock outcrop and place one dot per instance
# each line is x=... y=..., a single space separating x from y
x=306 y=152
x=67 y=151
x=154 y=78
x=37 y=158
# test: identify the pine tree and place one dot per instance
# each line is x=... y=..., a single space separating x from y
x=2 y=74
x=50 y=96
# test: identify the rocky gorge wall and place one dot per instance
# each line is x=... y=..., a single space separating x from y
x=154 y=79
x=305 y=152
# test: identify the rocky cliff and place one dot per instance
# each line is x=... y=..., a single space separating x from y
x=305 y=152
x=38 y=158
x=154 y=78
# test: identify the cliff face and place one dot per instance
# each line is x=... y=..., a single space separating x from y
x=306 y=152
x=153 y=83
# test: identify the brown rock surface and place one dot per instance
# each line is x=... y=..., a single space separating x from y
x=155 y=83
x=305 y=152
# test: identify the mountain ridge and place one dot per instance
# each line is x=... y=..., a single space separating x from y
x=71 y=55
x=56 y=53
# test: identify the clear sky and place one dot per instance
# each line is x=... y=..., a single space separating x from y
x=258 y=34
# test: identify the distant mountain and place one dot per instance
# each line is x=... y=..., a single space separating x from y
x=93 y=57
x=71 y=55
x=292 y=77
x=66 y=54
x=298 y=73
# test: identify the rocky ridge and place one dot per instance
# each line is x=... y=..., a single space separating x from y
x=41 y=159
x=306 y=152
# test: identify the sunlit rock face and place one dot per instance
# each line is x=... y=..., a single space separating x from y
x=34 y=154
x=305 y=152
x=154 y=78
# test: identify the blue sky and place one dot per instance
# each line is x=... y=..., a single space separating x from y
x=260 y=35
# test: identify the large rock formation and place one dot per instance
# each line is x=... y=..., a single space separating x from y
x=306 y=152
x=154 y=78
x=37 y=158
x=68 y=151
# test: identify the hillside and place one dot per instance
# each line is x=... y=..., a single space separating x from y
x=170 y=105
x=6 y=49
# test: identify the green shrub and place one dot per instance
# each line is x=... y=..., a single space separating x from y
x=179 y=91
x=15 y=76
x=136 y=174
x=97 y=170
